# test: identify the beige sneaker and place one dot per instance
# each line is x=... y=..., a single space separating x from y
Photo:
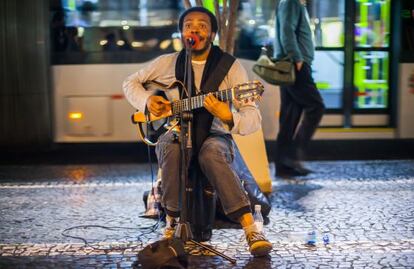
x=258 y=244
x=168 y=232
x=169 y=229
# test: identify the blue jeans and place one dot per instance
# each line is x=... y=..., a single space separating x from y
x=216 y=158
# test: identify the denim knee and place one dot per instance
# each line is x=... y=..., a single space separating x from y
x=167 y=148
x=216 y=149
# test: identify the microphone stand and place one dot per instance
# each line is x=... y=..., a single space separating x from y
x=183 y=230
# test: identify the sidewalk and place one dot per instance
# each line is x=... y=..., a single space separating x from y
x=366 y=207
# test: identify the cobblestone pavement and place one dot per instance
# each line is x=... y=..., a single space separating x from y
x=365 y=207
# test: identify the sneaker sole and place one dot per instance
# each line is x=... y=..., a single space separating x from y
x=259 y=249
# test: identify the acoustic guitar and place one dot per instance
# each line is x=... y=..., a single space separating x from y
x=251 y=90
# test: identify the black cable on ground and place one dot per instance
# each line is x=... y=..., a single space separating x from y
x=150 y=229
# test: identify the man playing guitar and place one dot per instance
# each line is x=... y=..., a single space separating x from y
x=214 y=122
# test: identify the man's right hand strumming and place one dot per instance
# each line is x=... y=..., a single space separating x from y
x=158 y=106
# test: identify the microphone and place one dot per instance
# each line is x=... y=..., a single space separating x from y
x=191 y=40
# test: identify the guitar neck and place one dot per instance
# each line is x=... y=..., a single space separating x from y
x=195 y=102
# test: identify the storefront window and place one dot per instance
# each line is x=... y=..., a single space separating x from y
x=327 y=22
x=256 y=29
x=132 y=31
x=105 y=31
x=371 y=79
x=371 y=68
x=328 y=73
x=372 y=23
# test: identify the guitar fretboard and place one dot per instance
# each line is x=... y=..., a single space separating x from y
x=195 y=102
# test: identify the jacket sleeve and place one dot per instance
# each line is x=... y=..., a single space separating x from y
x=159 y=69
x=289 y=13
x=246 y=116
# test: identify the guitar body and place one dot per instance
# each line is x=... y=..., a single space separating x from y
x=151 y=121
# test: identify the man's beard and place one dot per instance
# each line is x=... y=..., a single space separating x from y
x=207 y=46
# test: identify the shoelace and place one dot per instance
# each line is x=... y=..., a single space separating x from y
x=169 y=231
x=255 y=236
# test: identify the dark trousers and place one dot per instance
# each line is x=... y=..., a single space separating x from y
x=299 y=101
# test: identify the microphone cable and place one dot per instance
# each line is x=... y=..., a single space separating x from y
x=144 y=230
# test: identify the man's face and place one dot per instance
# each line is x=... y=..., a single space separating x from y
x=198 y=23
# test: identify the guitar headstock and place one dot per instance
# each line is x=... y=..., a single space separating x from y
x=251 y=90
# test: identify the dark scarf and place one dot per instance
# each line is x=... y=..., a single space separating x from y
x=202 y=119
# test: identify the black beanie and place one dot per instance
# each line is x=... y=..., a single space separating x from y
x=213 y=19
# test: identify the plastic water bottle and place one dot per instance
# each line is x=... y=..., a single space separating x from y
x=157 y=195
x=311 y=240
x=263 y=51
x=325 y=239
x=311 y=237
x=258 y=218
x=152 y=206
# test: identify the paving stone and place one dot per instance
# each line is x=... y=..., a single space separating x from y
x=367 y=207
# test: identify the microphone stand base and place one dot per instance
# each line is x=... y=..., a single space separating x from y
x=183 y=232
